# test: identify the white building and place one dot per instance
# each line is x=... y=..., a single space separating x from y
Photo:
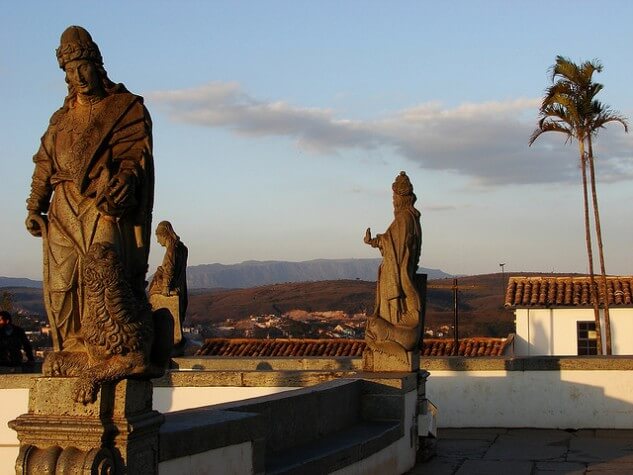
x=554 y=315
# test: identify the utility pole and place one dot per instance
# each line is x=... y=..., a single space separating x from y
x=503 y=277
x=455 y=318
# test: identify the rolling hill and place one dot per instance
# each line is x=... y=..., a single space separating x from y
x=255 y=273
x=481 y=298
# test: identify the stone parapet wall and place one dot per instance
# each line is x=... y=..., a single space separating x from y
x=528 y=363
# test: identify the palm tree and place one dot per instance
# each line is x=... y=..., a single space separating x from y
x=570 y=107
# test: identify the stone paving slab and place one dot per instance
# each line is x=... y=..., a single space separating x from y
x=584 y=449
x=462 y=449
x=610 y=468
x=559 y=468
x=525 y=447
x=471 y=434
x=614 y=434
x=495 y=467
x=436 y=466
x=539 y=435
x=530 y=451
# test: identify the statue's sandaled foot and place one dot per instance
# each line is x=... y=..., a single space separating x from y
x=85 y=391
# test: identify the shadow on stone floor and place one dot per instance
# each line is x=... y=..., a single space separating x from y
x=530 y=452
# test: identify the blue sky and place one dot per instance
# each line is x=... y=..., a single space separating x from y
x=279 y=126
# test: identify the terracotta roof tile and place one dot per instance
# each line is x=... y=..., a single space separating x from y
x=479 y=346
x=253 y=348
x=566 y=291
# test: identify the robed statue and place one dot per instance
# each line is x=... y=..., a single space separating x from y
x=91 y=201
x=394 y=328
x=168 y=290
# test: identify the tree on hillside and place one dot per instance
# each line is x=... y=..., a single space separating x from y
x=7 y=300
x=570 y=107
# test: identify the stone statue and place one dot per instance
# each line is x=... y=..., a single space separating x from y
x=395 y=326
x=170 y=279
x=91 y=202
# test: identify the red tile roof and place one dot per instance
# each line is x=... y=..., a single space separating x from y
x=566 y=291
x=253 y=348
x=478 y=346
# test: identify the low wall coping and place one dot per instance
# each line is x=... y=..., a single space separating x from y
x=528 y=363
x=188 y=432
x=300 y=377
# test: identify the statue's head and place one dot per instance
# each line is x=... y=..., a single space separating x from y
x=76 y=44
x=79 y=56
x=165 y=233
x=402 y=185
x=403 y=195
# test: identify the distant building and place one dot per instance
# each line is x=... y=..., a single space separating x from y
x=554 y=315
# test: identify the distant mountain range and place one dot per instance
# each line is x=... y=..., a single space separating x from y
x=254 y=273
x=20 y=282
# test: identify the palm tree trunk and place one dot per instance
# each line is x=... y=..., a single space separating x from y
x=603 y=273
x=592 y=283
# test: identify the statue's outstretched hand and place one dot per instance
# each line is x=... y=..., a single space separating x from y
x=367 y=238
x=33 y=226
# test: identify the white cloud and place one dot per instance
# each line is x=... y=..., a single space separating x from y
x=487 y=142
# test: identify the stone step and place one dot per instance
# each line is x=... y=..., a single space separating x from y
x=336 y=450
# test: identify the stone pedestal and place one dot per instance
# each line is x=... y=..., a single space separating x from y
x=168 y=307
x=377 y=361
x=117 y=434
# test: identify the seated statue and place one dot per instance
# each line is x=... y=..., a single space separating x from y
x=394 y=328
x=170 y=279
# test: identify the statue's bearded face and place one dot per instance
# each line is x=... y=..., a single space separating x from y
x=83 y=76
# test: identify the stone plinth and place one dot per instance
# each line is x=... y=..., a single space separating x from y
x=118 y=432
x=168 y=307
x=378 y=361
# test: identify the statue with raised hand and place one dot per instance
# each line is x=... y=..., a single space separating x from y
x=394 y=327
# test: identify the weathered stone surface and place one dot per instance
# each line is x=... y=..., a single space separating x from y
x=525 y=363
x=583 y=449
x=119 y=429
x=580 y=452
x=471 y=434
x=168 y=306
x=269 y=363
x=615 y=467
x=168 y=289
x=436 y=466
x=91 y=203
x=198 y=430
x=462 y=449
x=529 y=447
x=379 y=361
x=554 y=468
x=49 y=397
x=394 y=329
x=493 y=467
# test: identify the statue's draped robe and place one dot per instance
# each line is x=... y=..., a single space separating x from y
x=79 y=155
x=397 y=299
x=172 y=275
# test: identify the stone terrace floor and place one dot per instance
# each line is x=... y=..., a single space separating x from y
x=530 y=452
